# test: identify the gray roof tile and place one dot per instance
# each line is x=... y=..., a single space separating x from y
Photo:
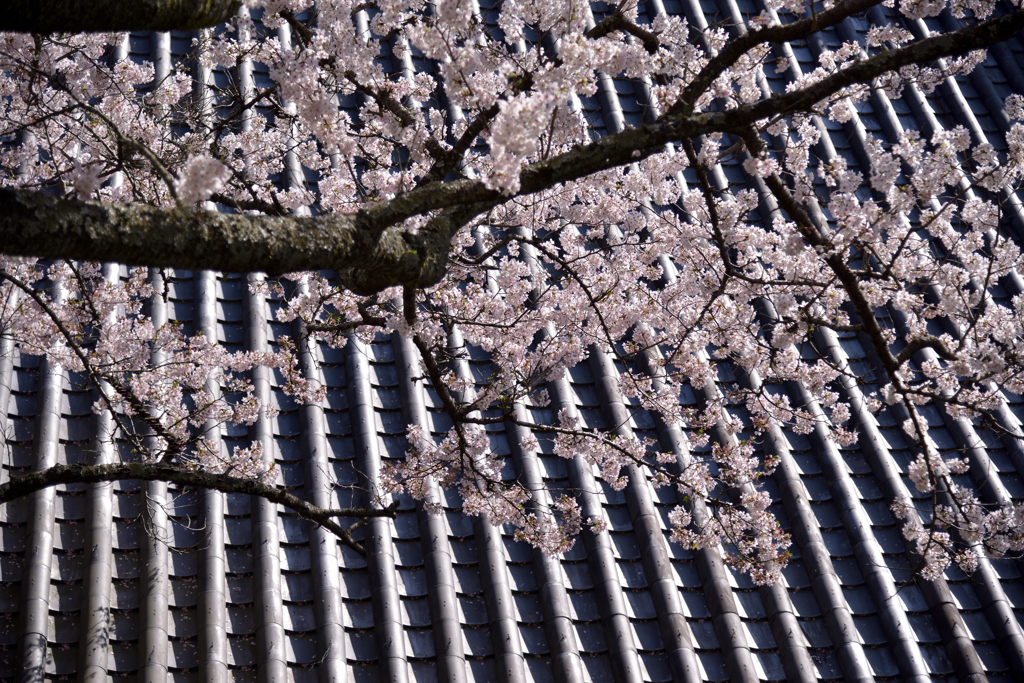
x=443 y=596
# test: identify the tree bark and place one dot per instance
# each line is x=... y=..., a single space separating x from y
x=371 y=250
x=78 y=16
x=369 y=258
x=21 y=486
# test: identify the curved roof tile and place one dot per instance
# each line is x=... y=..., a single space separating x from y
x=144 y=580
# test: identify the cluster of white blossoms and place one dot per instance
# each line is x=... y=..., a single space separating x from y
x=201 y=178
x=638 y=254
x=94 y=322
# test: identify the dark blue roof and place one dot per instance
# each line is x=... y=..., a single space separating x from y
x=222 y=587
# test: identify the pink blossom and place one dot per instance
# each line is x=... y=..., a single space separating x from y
x=201 y=177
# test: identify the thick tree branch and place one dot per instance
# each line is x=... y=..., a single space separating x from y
x=23 y=485
x=370 y=250
x=77 y=16
x=368 y=258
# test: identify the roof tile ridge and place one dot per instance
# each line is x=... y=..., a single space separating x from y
x=953 y=97
x=622 y=649
x=994 y=599
x=866 y=548
x=675 y=632
x=782 y=620
x=510 y=664
x=7 y=351
x=34 y=605
x=814 y=553
x=270 y=639
x=824 y=581
x=437 y=555
x=212 y=599
x=154 y=581
x=989 y=487
x=673 y=440
x=725 y=618
x=94 y=641
x=776 y=598
x=796 y=659
x=327 y=607
x=1013 y=281
x=563 y=641
x=323 y=545
x=389 y=629
x=936 y=593
x=1008 y=65
x=623 y=652
x=566 y=663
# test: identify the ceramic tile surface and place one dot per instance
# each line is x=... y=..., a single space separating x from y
x=264 y=595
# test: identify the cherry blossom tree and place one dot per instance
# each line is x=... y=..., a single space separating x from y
x=464 y=201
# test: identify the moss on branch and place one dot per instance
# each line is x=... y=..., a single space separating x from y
x=44 y=226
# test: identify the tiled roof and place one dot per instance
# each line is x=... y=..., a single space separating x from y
x=220 y=587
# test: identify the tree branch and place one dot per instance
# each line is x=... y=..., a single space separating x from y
x=174 y=446
x=928 y=341
x=974 y=37
x=23 y=485
x=619 y=22
x=847 y=278
x=773 y=34
x=635 y=144
x=368 y=258
x=77 y=16
x=370 y=250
